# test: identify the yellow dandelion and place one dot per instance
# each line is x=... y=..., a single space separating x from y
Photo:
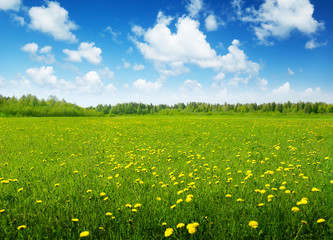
x=180 y=225
x=295 y=209
x=168 y=232
x=57 y=184
x=158 y=199
x=128 y=205
x=315 y=190
x=108 y=214
x=137 y=205
x=305 y=222
x=192 y=230
x=179 y=201
x=89 y=191
x=134 y=210
x=320 y=220
x=39 y=201
x=164 y=223
x=2 y=210
x=261 y=204
x=19 y=190
x=173 y=206
x=288 y=191
x=102 y=194
x=228 y=195
x=75 y=219
x=21 y=227
x=253 y=224
x=84 y=234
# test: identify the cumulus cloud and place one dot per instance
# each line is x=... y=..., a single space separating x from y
x=91 y=82
x=18 y=19
x=138 y=67
x=194 y=7
x=43 y=55
x=189 y=45
x=284 y=89
x=191 y=85
x=262 y=83
x=314 y=44
x=87 y=51
x=278 y=18
x=211 y=23
x=106 y=73
x=146 y=86
x=219 y=77
x=10 y=5
x=291 y=72
x=54 y=20
x=138 y=30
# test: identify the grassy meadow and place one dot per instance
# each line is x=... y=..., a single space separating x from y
x=166 y=177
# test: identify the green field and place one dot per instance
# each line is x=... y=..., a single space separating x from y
x=139 y=177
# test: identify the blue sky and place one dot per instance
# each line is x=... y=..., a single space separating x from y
x=93 y=52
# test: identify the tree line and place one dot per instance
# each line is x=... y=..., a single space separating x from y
x=29 y=105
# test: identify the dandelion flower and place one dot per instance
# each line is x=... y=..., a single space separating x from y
x=128 y=205
x=134 y=210
x=261 y=204
x=39 y=201
x=108 y=214
x=228 y=195
x=253 y=224
x=158 y=199
x=75 y=219
x=57 y=184
x=295 y=209
x=168 y=232
x=21 y=227
x=179 y=201
x=173 y=206
x=137 y=205
x=320 y=220
x=102 y=194
x=2 y=210
x=192 y=230
x=315 y=190
x=180 y=225
x=84 y=234
x=164 y=223
x=305 y=222
x=19 y=190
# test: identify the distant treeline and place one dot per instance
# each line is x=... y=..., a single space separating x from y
x=29 y=105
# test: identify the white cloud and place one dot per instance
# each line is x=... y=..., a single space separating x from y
x=219 y=77
x=314 y=44
x=146 y=86
x=262 y=83
x=10 y=5
x=114 y=34
x=291 y=72
x=53 y=20
x=311 y=91
x=110 y=88
x=284 y=89
x=106 y=73
x=278 y=18
x=138 y=67
x=44 y=54
x=42 y=76
x=191 y=85
x=138 y=30
x=126 y=64
x=86 y=50
x=18 y=19
x=194 y=7
x=91 y=82
x=211 y=23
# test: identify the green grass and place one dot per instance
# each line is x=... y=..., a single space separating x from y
x=139 y=159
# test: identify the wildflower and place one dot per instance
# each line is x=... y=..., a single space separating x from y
x=128 y=205
x=134 y=210
x=228 y=195
x=2 y=210
x=89 y=191
x=19 y=190
x=76 y=171
x=288 y=191
x=305 y=222
x=75 y=219
x=158 y=199
x=102 y=194
x=164 y=223
x=108 y=214
x=192 y=230
x=331 y=181
x=261 y=204
x=39 y=201
x=84 y=234
x=137 y=205
x=240 y=200
x=56 y=185
x=173 y=206
x=295 y=209
x=192 y=225
x=315 y=190
x=180 y=225
x=21 y=227
x=320 y=220
x=179 y=201
x=303 y=201
x=282 y=188
x=253 y=224
x=168 y=232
